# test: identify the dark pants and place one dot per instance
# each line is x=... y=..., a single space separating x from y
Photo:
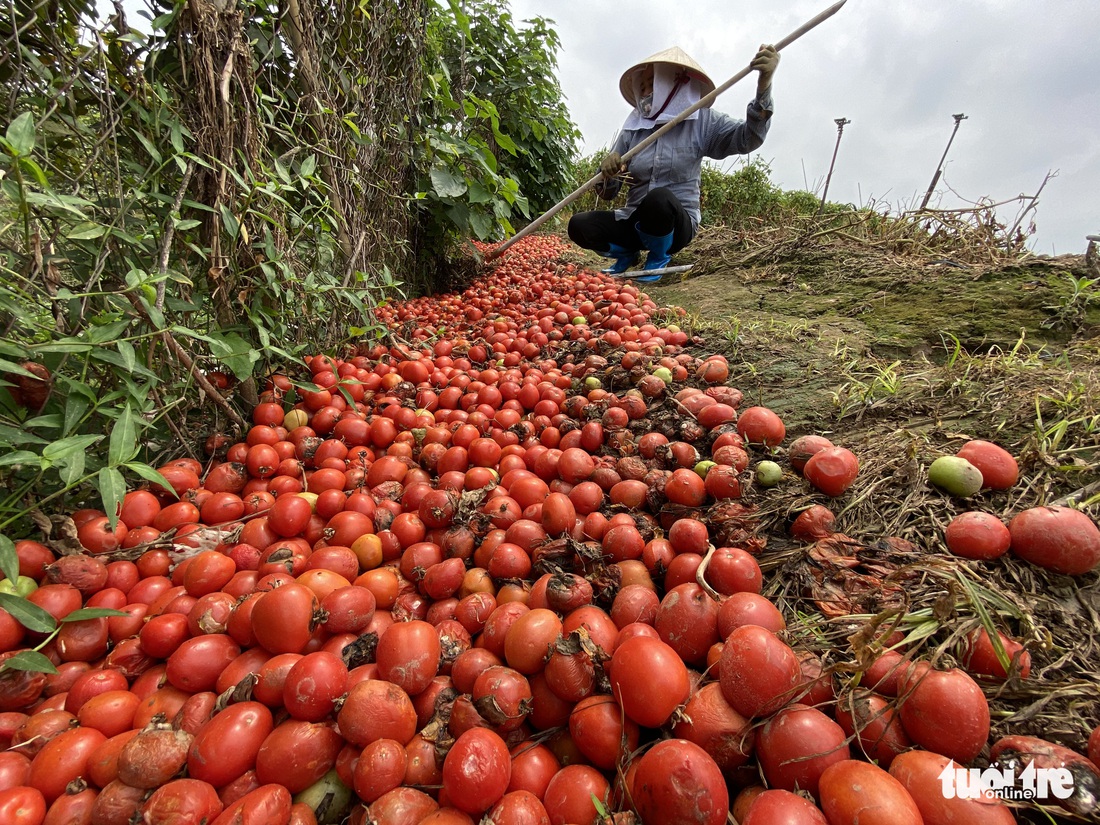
x=658 y=214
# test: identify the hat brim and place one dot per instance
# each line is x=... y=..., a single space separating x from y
x=673 y=57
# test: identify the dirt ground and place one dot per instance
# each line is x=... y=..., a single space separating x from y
x=903 y=358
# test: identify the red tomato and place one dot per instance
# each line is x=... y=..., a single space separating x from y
x=227 y=745
x=22 y=805
x=760 y=425
x=977 y=535
x=944 y=711
x=313 y=685
x=779 y=807
x=649 y=679
x=376 y=709
x=676 y=781
x=265 y=805
x=570 y=794
x=297 y=753
x=758 y=672
x=282 y=619
x=197 y=663
x=796 y=746
x=183 y=802
x=63 y=759
x=408 y=655
x=997 y=466
x=832 y=470
x=858 y=793
x=710 y=722
x=1057 y=538
x=476 y=770
x=919 y=772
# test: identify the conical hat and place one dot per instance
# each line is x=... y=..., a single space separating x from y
x=677 y=57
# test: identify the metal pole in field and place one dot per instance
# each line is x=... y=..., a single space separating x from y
x=959 y=118
x=840 y=122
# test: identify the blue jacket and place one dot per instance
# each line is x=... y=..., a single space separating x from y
x=675 y=160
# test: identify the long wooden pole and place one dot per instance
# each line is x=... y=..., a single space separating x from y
x=706 y=100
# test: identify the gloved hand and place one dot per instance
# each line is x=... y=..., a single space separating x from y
x=765 y=62
x=611 y=165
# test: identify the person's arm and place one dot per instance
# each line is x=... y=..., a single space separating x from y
x=725 y=136
x=611 y=166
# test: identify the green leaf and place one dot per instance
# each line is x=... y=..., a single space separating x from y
x=86 y=231
x=9 y=559
x=71 y=469
x=29 y=660
x=85 y=613
x=235 y=352
x=126 y=352
x=28 y=614
x=66 y=446
x=184 y=225
x=112 y=487
x=447 y=184
x=230 y=222
x=18 y=457
x=75 y=408
x=309 y=166
x=20 y=134
x=148 y=473
x=123 y=444
x=149 y=147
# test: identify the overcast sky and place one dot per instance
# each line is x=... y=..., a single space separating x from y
x=1025 y=72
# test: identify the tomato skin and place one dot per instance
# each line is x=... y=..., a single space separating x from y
x=70 y=809
x=858 y=792
x=977 y=535
x=796 y=746
x=63 y=759
x=182 y=802
x=944 y=711
x=918 y=771
x=832 y=470
x=998 y=468
x=377 y=709
x=476 y=770
x=313 y=685
x=649 y=680
x=783 y=807
x=227 y=745
x=297 y=753
x=1057 y=538
x=676 y=781
x=282 y=619
x=197 y=663
x=22 y=805
x=265 y=805
x=758 y=672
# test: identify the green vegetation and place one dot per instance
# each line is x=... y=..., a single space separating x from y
x=190 y=203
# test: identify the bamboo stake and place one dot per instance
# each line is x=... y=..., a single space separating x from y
x=699 y=104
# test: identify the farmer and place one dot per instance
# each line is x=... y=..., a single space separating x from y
x=662 y=208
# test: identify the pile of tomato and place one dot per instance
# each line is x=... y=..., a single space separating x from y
x=503 y=570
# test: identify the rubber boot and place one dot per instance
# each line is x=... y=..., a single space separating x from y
x=659 y=256
x=624 y=259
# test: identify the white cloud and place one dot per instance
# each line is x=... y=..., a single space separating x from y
x=1025 y=73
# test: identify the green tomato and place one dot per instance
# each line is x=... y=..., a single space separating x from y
x=23 y=587
x=664 y=373
x=768 y=473
x=578 y=321
x=703 y=467
x=592 y=383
